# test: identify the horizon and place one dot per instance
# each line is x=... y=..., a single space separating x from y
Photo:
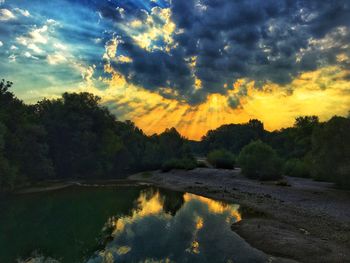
x=226 y=124
x=192 y=65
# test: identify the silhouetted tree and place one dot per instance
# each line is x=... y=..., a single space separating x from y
x=75 y=137
x=233 y=137
x=82 y=135
x=23 y=148
x=331 y=151
x=304 y=127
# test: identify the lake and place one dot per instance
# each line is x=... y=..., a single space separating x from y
x=120 y=224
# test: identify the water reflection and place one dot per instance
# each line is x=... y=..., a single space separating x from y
x=149 y=225
x=176 y=228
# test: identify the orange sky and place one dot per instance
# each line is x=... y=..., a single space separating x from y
x=144 y=68
x=276 y=106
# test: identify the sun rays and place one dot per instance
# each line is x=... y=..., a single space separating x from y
x=275 y=105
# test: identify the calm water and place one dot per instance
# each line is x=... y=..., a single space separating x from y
x=125 y=224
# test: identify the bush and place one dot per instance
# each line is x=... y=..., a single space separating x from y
x=259 y=161
x=296 y=168
x=183 y=164
x=221 y=159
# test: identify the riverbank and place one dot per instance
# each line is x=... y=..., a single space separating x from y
x=53 y=185
x=298 y=219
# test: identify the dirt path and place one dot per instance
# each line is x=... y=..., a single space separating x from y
x=307 y=221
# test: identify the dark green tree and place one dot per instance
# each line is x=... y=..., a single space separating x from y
x=331 y=151
x=82 y=135
x=24 y=150
x=221 y=159
x=304 y=127
x=233 y=137
x=259 y=161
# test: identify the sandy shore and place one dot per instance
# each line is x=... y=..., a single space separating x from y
x=306 y=222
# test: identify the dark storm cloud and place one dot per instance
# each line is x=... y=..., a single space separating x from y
x=265 y=41
x=330 y=15
x=155 y=69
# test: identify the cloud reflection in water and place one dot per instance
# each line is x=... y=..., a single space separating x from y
x=196 y=231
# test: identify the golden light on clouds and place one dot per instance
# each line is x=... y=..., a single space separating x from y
x=170 y=55
x=324 y=92
x=144 y=33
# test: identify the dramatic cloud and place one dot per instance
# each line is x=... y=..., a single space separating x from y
x=264 y=41
x=179 y=57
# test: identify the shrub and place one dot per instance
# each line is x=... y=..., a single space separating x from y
x=259 y=161
x=296 y=168
x=183 y=164
x=221 y=159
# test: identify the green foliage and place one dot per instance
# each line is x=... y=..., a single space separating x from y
x=296 y=168
x=23 y=149
x=304 y=127
x=259 y=161
x=75 y=137
x=294 y=142
x=80 y=135
x=331 y=152
x=283 y=141
x=221 y=159
x=96 y=145
x=233 y=137
x=8 y=173
x=164 y=147
x=185 y=163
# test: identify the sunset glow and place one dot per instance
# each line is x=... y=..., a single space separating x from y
x=192 y=65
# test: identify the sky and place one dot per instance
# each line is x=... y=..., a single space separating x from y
x=189 y=64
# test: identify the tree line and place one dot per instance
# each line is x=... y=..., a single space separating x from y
x=314 y=149
x=75 y=137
